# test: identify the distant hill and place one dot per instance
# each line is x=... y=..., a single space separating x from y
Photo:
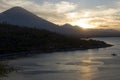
x=77 y=31
x=69 y=30
x=21 y=17
x=15 y=39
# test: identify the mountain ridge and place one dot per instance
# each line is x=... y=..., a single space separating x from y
x=22 y=17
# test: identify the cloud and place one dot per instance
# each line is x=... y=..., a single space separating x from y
x=51 y=11
x=55 y=12
x=64 y=6
x=6 y=4
x=103 y=26
x=101 y=7
x=105 y=17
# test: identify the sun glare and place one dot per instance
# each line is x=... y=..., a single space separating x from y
x=84 y=23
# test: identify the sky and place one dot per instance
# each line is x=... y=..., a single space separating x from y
x=85 y=13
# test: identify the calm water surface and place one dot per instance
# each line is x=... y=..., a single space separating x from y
x=92 y=64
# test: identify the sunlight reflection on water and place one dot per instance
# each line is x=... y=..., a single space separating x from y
x=88 y=75
x=91 y=64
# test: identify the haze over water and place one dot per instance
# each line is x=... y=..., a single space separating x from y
x=92 y=64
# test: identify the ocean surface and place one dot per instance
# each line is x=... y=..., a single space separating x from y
x=92 y=64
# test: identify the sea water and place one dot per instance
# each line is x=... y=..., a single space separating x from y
x=92 y=64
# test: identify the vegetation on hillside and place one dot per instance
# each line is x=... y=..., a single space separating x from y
x=15 y=39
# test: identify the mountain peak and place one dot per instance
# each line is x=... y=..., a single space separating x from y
x=16 y=9
x=22 y=17
x=67 y=24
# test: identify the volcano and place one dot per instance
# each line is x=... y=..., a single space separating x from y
x=22 y=17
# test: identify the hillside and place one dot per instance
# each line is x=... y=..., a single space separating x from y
x=22 y=17
x=16 y=39
x=77 y=31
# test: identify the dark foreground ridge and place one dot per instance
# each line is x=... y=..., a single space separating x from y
x=19 y=39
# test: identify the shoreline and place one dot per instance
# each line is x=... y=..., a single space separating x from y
x=21 y=40
x=20 y=54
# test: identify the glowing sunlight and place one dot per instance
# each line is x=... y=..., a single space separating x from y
x=84 y=23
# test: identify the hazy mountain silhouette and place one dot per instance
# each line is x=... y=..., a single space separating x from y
x=77 y=30
x=21 y=17
x=68 y=29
